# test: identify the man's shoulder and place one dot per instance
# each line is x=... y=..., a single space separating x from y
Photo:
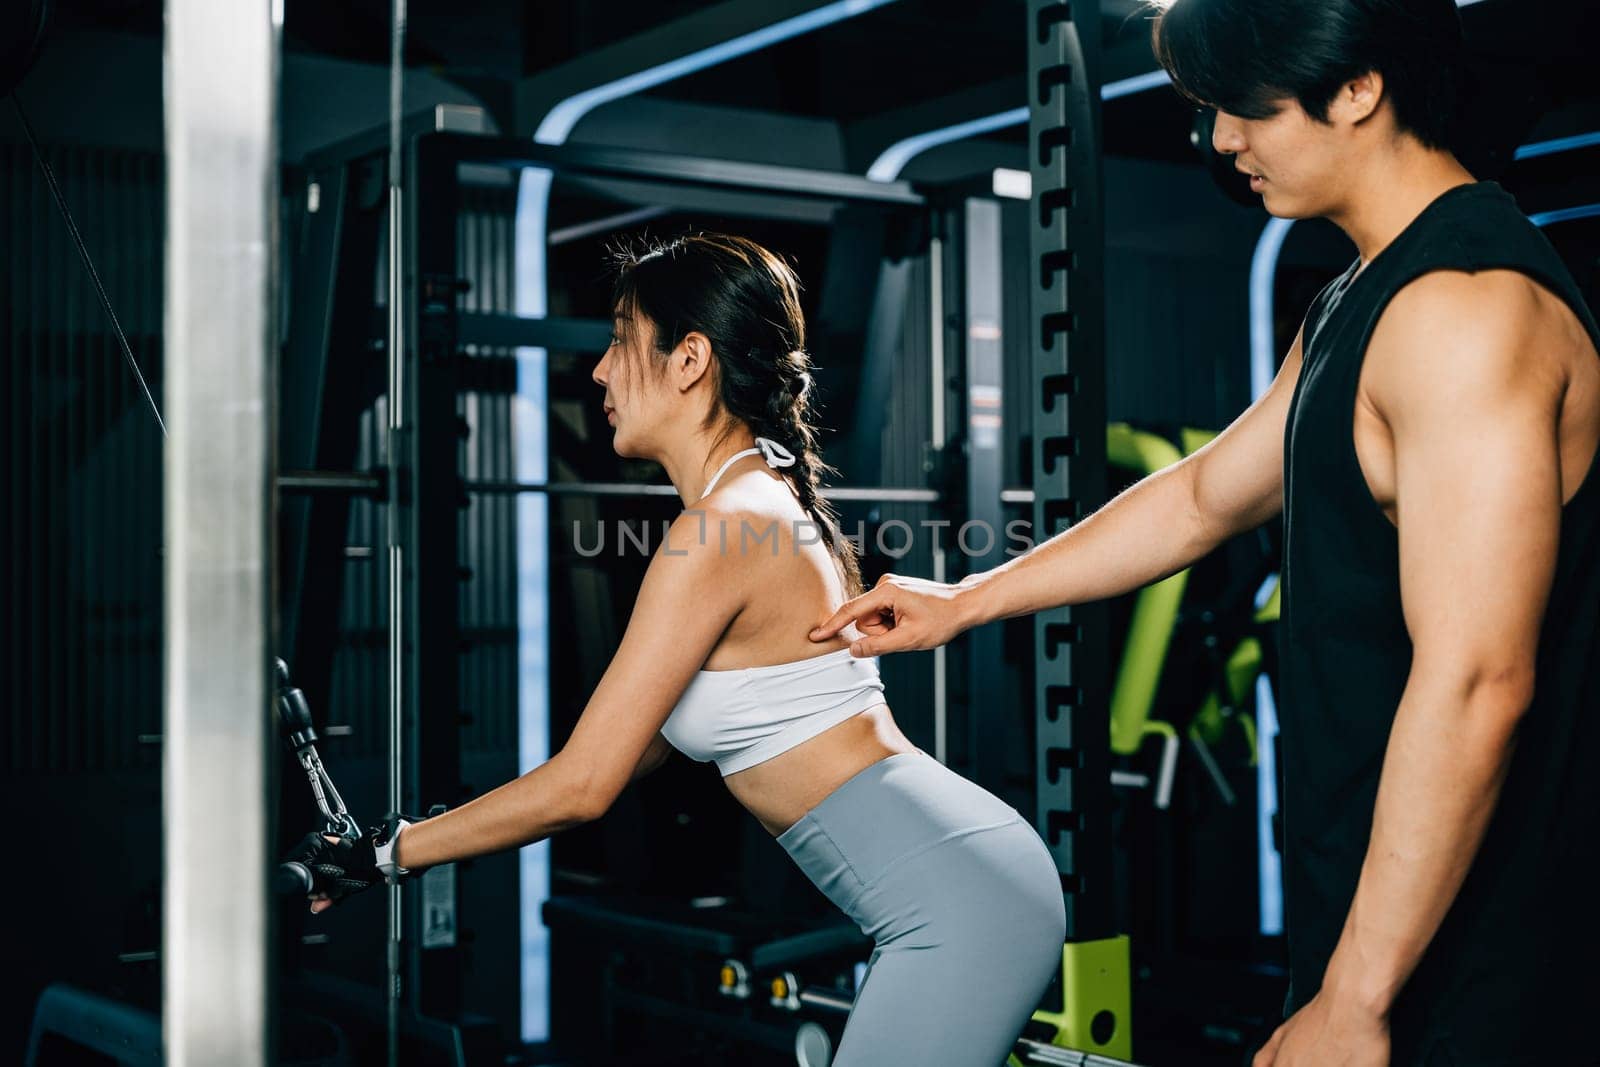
x=1454 y=312
x=1462 y=299
x=1452 y=330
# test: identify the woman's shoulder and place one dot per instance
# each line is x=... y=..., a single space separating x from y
x=740 y=519
x=723 y=535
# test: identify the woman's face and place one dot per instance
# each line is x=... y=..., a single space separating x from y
x=630 y=372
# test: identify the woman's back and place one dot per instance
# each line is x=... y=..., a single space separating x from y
x=766 y=687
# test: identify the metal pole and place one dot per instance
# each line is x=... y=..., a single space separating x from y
x=941 y=710
x=397 y=426
x=221 y=86
x=871 y=494
x=982 y=314
x=350 y=483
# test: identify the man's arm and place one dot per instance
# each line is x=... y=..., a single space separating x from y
x=1465 y=381
x=1153 y=529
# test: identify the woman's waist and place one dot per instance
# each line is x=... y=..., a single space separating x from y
x=899 y=806
x=781 y=790
x=889 y=792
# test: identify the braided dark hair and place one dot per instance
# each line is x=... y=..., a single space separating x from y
x=746 y=301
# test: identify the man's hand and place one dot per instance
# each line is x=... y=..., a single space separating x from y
x=901 y=615
x=1328 y=1032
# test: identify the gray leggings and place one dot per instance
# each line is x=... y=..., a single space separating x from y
x=962 y=899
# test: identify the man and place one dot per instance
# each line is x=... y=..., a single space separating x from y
x=1430 y=442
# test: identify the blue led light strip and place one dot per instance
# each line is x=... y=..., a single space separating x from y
x=1566 y=214
x=892 y=160
x=558 y=123
x=1560 y=144
x=889 y=164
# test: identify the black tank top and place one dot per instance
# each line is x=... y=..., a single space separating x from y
x=1512 y=974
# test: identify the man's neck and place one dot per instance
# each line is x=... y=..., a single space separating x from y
x=1391 y=190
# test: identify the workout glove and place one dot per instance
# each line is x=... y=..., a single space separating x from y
x=346 y=865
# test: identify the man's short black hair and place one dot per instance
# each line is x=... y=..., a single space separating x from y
x=1246 y=56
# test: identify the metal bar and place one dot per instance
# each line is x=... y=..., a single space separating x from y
x=982 y=316
x=440 y=118
x=1037 y=1052
x=870 y=139
x=826 y=1001
x=221 y=72
x=358 y=483
x=680 y=198
x=608 y=224
x=629 y=489
x=516 y=331
x=937 y=438
x=799 y=182
x=884 y=493
x=397 y=540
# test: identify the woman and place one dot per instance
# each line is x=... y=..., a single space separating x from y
x=707 y=374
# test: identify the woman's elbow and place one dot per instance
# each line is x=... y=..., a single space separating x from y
x=1504 y=691
x=591 y=806
x=584 y=795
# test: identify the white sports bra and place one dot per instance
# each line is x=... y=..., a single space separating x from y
x=744 y=717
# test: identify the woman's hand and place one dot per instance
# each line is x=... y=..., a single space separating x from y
x=341 y=866
x=902 y=615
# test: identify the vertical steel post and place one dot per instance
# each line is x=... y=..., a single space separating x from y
x=396 y=403
x=221 y=128
x=980 y=538
x=1091 y=1005
x=937 y=443
x=1069 y=419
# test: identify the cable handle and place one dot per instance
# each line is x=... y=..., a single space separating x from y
x=300 y=734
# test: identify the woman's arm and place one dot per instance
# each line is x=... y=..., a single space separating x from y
x=691 y=592
x=653 y=757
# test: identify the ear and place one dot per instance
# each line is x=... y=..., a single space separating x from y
x=691 y=360
x=1358 y=99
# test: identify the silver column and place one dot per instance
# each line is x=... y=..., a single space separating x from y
x=221 y=79
x=396 y=401
x=941 y=698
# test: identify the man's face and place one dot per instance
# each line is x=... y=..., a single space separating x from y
x=1296 y=163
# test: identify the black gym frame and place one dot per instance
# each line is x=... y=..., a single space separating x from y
x=1069 y=436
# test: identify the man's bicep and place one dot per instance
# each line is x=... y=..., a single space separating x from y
x=1477 y=475
x=1238 y=478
